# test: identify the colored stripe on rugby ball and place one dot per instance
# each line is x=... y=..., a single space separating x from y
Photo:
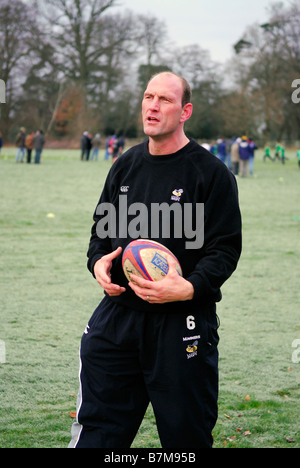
x=147 y=259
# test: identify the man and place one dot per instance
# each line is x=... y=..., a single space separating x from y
x=235 y=157
x=222 y=150
x=29 y=143
x=20 y=144
x=39 y=141
x=157 y=341
x=244 y=150
x=96 y=143
x=252 y=148
x=267 y=154
x=84 y=145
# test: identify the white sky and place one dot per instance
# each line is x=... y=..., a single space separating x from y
x=215 y=25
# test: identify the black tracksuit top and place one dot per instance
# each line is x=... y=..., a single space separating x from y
x=190 y=176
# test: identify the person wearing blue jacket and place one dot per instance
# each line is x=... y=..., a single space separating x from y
x=252 y=148
x=222 y=150
x=244 y=150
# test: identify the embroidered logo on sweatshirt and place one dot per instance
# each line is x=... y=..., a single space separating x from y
x=176 y=194
x=192 y=350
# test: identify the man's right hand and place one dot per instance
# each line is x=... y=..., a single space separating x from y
x=102 y=273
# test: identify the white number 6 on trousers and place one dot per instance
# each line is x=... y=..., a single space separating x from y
x=190 y=322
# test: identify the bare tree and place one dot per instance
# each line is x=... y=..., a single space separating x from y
x=18 y=31
x=76 y=25
x=269 y=57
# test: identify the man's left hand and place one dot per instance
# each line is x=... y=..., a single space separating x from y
x=171 y=289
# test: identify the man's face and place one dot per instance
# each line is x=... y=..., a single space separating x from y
x=162 y=106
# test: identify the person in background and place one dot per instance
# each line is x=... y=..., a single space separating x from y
x=115 y=150
x=244 y=150
x=214 y=149
x=88 y=145
x=121 y=144
x=39 y=142
x=283 y=156
x=221 y=150
x=267 y=154
x=1 y=142
x=83 y=145
x=29 y=143
x=20 y=144
x=96 y=143
x=252 y=148
x=235 y=157
x=277 y=151
x=298 y=156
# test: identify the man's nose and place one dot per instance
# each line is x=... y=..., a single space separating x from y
x=155 y=103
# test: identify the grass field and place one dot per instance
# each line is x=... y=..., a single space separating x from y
x=47 y=297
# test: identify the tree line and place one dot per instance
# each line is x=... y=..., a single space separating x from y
x=75 y=65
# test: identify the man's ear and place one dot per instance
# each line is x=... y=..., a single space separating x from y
x=186 y=112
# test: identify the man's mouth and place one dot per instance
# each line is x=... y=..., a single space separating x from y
x=152 y=119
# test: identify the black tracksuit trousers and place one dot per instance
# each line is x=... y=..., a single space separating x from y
x=130 y=358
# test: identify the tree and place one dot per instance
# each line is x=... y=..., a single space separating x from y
x=152 y=36
x=18 y=39
x=41 y=90
x=92 y=47
x=76 y=21
x=203 y=74
x=269 y=56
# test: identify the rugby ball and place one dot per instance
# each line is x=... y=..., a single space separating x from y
x=147 y=259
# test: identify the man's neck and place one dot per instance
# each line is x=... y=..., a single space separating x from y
x=160 y=147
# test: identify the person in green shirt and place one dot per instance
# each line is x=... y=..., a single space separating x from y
x=277 y=151
x=268 y=154
x=283 y=156
x=298 y=156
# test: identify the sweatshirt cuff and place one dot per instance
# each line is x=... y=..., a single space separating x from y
x=199 y=288
x=91 y=263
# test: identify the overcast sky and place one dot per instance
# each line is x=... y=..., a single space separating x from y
x=214 y=25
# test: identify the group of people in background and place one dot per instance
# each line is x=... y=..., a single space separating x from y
x=90 y=147
x=238 y=154
x=279 y=153
x=114 y=147
x=88 y=144
x=26 y=143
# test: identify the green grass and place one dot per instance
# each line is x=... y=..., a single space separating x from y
x=47 y=297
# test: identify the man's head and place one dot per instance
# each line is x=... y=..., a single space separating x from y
x=187 y=92
x=166 y=106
